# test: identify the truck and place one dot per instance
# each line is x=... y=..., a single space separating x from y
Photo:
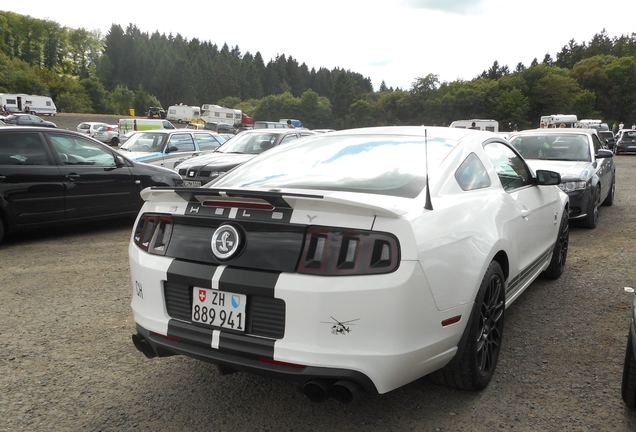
x=22 y=102
x=183 y=113
x=557 y=120
x=479 y=124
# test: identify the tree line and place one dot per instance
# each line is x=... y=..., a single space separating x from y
x=87 y=72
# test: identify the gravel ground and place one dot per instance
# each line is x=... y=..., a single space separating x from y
x=67 y=362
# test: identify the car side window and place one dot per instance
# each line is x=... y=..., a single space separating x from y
x=597 y=144
x=167 y=125
x=22 y=149
x=74 y=150
x=183 y=142
x=206 y=141
x=289 y=138
x=472 y=174
x=511 y=169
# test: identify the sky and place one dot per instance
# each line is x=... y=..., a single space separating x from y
x=391 y=40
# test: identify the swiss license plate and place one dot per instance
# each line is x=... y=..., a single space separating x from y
x=219 y=308
x=191 y=183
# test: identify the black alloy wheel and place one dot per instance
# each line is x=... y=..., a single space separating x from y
x=591 y=220
x=473 y=366
x=609 y=200
x=491 y=326
x=560 y=251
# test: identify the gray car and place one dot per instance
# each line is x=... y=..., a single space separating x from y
x=169 y=147
x=587 y=169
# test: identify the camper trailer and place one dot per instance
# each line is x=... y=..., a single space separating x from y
x=558 y=120
x=480 y=124
x=34 y=104
x=183 y=113
x=218 y=114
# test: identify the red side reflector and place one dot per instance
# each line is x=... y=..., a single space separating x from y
x=238 y=204
x=280 y=363
x=449 y=321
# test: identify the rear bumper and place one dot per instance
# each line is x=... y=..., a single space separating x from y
x=395 y=335
x=176 y=345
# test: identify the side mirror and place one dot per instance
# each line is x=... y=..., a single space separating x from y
x=171 y=149
x=548 y=178
x=119 y=161
x=602 y=153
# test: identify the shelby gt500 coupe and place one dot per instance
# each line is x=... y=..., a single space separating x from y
x=359 y=259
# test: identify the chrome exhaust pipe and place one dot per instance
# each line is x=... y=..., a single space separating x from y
x=344 y=391
x=143 y=346
x=316 y=391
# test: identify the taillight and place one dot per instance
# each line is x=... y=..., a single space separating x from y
x=109 y=129
x=153 y=232
x=339 y=252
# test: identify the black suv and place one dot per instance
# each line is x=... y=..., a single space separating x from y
x=156 y=113
x=51 y=176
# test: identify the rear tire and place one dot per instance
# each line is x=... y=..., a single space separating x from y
x=474 y=364
x=560 y=251
x=1 y=229
x=114 y=141
x=628 y=387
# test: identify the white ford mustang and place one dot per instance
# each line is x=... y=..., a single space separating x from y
x=357 y=260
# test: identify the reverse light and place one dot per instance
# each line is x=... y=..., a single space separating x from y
x=337 y=252
x=153 y=232
x=569 y=186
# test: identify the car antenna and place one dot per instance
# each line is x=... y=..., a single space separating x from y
x=428 y=205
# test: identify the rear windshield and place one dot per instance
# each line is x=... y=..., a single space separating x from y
x=145 y=142
x=553 y=147
x=387 y=165
x=629 y=134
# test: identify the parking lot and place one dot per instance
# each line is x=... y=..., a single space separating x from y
x=67 y=361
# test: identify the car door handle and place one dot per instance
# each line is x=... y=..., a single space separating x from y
x=2 y=177
x=72 y=176
x=524 y=213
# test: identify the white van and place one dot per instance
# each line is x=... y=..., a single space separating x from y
x=183 y=113
x=34 y=104
x=480 y=124
x=131 y=125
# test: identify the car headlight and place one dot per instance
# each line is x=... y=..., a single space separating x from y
x=570 y=186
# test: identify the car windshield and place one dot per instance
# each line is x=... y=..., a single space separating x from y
x=145 y=142
x=249 y=143
x=378 y=164
x=553 y=147
x=629 y=134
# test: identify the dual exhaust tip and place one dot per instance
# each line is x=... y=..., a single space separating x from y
x=315 y=390
x=342 y=391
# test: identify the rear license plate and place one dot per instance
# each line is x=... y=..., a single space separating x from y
x=191 y=183
x=219 y=308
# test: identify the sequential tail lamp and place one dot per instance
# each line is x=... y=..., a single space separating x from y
x=336 y=252
x=153 y=232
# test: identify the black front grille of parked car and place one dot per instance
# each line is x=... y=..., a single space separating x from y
x=265 y=315
x=204 y=173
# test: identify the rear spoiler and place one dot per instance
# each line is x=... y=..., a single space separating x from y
x=276 y=199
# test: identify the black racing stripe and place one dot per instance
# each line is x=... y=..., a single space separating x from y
x=255 y=346
x=190 y=333
x=192 y=274
x=249 y=282
x=228 y=342
x=525 y=273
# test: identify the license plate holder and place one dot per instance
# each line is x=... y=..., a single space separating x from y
x=219 y=308
x=192 y=183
